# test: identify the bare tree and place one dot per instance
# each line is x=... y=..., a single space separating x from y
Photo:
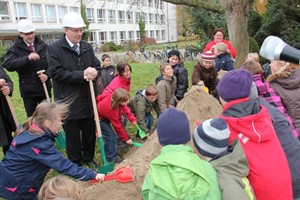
x=237 y=14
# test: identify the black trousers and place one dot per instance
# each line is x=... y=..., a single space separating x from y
x=80 y=139
x=31 y=103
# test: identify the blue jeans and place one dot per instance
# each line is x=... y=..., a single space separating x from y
x=149 y=120
x=110 y=139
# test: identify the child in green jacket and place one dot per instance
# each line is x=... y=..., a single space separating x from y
x=178 y=173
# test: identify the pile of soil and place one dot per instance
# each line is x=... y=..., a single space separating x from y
x=198 y=106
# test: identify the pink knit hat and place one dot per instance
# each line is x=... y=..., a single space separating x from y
x=208 y=56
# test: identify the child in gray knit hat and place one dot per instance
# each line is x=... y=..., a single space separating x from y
x=178 y=173
x=211 y=143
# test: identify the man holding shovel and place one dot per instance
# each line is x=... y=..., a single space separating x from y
x=7 y=124
x=26 y=57
x=72 y=63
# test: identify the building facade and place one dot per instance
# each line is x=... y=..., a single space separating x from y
x=110 y=20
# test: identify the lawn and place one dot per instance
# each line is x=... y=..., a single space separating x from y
x=142 y=75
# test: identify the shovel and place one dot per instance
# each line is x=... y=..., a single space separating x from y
x=141 y=133
x=107 y=167
x=137 y=144
x=44 y=86
x=122 y=175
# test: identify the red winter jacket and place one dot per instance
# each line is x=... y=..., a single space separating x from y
x=269 y=171
x=117 y=82
x=229 y=46
x=115 y=116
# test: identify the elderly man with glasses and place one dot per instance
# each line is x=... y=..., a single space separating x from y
x=27 y=56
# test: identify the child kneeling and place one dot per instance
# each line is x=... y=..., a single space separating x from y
x=178 y=173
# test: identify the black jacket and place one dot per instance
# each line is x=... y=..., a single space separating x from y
x=181 y=74
x=5 y=115
x=16 y=59
x=67 y=75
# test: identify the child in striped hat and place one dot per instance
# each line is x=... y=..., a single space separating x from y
x=211 y=143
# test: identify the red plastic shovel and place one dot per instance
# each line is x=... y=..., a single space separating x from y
x=122 y=175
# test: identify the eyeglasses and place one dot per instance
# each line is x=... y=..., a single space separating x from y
x=30 y=33
x=77 y=30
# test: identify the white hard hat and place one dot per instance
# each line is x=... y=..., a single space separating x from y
x=73 y=20
x=25 y=26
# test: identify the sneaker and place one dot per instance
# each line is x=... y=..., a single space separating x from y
x=116 y=159
x=91 y=164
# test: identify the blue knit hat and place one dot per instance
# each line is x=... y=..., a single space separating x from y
x=236 y=84
x=173 y=127
x=211 y=137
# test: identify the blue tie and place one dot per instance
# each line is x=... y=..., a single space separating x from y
x=76 y=49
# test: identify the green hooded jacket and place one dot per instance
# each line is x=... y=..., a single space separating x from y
x=178 y=173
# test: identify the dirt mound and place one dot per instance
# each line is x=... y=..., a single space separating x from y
x=198 y=105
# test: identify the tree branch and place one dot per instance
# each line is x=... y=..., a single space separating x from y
x=200 y=4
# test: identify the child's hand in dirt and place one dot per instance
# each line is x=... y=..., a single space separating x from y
x=129 y=142
x=100 y=177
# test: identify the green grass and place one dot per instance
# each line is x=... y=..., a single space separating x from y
x=142 y=75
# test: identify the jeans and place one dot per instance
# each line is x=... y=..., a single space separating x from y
x=149 y=120
x=110 y=139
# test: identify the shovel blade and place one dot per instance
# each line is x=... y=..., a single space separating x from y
x=141 y=133
x=60 y=139
x=122 y=175
x=109 y=167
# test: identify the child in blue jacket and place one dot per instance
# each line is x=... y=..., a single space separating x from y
x=32 y=154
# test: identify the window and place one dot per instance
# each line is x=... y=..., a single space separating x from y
x=155 y=3
x=90 y=14
x=113 y=37
x=151 y=18
x=4 y=14
x=150 y=3
x=102 y=37
x=130 y=35
x=163 y=19
x=101 y=16
x=137 y=17
x=36 y=10
x=62 y=10
x=151 y=34
x=50 y=13
x=145 y=19
x=121 y=16
x=129 y=17
x=156 y=19
x=143 y=2
x=138 y=35
x=111 y=16
x=122 y=36
x=20 y=11
x=161 y=4
x=157 y=35
x=74 y=9
x=163 y=35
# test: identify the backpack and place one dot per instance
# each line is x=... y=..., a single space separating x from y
x=159 y=78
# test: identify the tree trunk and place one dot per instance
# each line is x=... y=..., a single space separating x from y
x=237 y=13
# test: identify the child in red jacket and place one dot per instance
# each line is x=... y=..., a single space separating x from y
x=110 y=110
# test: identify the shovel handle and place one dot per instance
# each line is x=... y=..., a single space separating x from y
x=44 y=86
x=12 y=111
x=96 y=117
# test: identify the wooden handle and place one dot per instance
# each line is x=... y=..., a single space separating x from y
x=44 y=86
x=96 y=117
x=12 y=111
